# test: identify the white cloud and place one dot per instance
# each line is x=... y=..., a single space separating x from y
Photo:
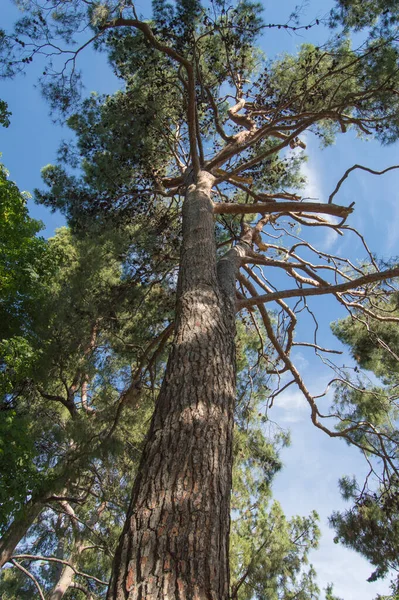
x=392 y=239
x=292 y=406
x=330 y=237
x=313 y=188
x=345 y=568
x=300 y=360
x=312 y=466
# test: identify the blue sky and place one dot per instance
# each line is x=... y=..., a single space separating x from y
x=313 y=463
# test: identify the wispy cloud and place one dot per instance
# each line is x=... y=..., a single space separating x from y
x=330 y=238
x=292 y=406
x=320 y=462
x=345 y=568
x=392 y=239
x=313 y=188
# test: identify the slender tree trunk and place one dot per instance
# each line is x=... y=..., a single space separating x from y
x=64 y=583
x=176 y=536
x=26 y=516
x=18 y=529
x=66 y=578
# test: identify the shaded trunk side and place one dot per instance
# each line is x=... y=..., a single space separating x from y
x=176 y=536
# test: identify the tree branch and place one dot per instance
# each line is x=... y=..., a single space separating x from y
x=82 y=588
x=191 y=109
x=334 y=210
x=346 y=175
x=28 y=574
x=58 y=560
x=321 y=290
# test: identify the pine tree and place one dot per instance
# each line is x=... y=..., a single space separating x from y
x=195 y=139
x=371 y=525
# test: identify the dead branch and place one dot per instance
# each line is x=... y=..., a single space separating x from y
x=318 y=291
x=348 y=171
x=281 y=207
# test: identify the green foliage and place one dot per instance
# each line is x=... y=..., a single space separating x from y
x=106 y=286
x=119 y=136
x=77 y=323
x=321 y=80
x=18 y=475
x=330 y=593
x=370 y=341
x=236 y=28
x=16 y=586
x=271 y=552
x=371 y=528
x=371 y=525
x=268 y=552
x=5 y=114
x=24 y=259
x=378 y=20
x=65 y=422
x=381 y=15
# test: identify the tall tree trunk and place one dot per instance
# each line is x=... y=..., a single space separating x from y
x=176 y=536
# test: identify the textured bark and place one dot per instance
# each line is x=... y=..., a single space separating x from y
x=18 y=530
x=175 y=540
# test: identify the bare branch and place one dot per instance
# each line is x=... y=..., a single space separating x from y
x=321 y=290
x=317 y=347
x=58 y=560
x=28 y=574
x=346 y=175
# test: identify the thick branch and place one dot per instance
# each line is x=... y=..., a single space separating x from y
x=334 y=210
x=248 y=139
x=57 y=398
x=321 y=290
x=218 y=126
x=243 y=120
